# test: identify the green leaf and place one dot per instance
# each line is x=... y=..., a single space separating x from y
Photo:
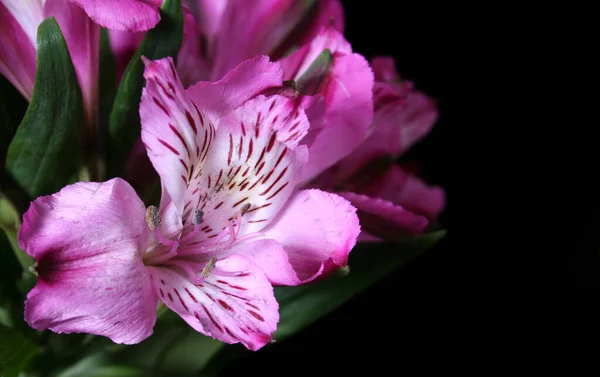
x=99 y=365
x=310 y=81
x=45 y=152
x=15 y=352
x=369 y=263
x=174 y=347
x=124 y=126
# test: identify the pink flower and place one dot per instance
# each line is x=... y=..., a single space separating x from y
x=230 y=223
x=389 y=199
x=19 y=21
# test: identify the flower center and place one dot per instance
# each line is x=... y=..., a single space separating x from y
x=192 y=256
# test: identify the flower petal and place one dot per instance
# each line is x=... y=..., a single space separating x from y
x=250 y=28
x=384 y=68
x=235 y=304
x=29 y=14
x=208 y=13
x=378 y=215
x=83 y=40
x=401 y=120
x=252 y=161
x=348 y=115
x=408 y=191
x=123 y=45
x=242 y=83
x=347 y=88
x=17 y=50
x=124 y=15
x=327 y=13
x=91 y=278
x=191 y=63
x=317 y=230
x=176 y=134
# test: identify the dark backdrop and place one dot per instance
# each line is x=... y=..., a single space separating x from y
x=420 y=317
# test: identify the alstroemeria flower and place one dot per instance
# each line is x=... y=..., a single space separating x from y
x=391 y=199
x=230 y=223
x=19 y=21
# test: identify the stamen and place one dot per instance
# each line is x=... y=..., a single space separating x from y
x=209 y=267
x=197 y=218
x=153 y=220
x=152 y=217
x=245 y=208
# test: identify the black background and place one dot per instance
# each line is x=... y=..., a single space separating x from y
x=425 y=315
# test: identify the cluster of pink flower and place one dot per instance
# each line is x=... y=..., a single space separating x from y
x=263 y=157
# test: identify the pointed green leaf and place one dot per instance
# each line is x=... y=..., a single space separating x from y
x=309 y=82
x=45 y=152
x=15 y=352
x=369 y=263
x=124 y=125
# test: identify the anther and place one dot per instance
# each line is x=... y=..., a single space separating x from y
x=245 y=208
x=152 y=217
x=209 y=267
x=197 y=218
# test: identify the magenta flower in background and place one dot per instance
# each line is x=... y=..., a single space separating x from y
x=19 y=21
x=231 y=222
x=220 y=34
x=392 y=199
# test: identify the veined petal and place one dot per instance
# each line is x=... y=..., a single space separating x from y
x=317 y=230
x=177 y=135
x=379 y=216
x=125 y=15
x=86 y=241
x=242 y=83
x=17 y=51
x=234 y=304
x=83 y=40
x=253 y=162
